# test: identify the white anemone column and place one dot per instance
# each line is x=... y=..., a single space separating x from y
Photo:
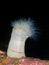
x=21 y=31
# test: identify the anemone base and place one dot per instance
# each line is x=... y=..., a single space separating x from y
x=4 y=60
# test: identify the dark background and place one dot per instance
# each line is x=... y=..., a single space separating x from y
x=33 y=48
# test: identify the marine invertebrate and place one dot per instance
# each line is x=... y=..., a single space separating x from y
x=22 y=29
